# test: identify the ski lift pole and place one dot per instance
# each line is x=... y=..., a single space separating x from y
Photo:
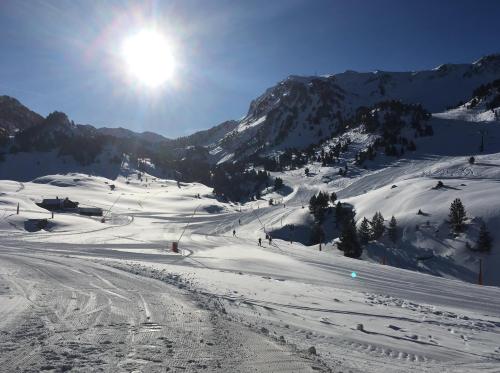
x=109 y=210
x=189 y=222
x=258 y=218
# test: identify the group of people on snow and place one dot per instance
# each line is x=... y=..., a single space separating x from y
x=259 y=241
x=268 y=237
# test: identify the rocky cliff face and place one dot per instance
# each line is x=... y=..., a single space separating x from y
x=301 y=111
x=15 y=117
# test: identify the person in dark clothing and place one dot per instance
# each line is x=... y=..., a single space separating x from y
x=260 y=241
x=234 y=233
x=270 y=240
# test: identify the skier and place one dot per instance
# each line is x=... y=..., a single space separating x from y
x=234 y=232
x=260 y=241
x=239 y=221
x=270 y=240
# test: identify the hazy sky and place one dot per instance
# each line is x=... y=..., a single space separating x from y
x=66 y=55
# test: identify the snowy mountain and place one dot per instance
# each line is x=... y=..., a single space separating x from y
x=301 y=111
x=57 y=144
x=296 y=113
x=274 y=267
x=484 y=105
x=357 y=134
x=128 y=134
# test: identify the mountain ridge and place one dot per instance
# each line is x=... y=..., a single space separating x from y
x=296 y=113
x=490 y=64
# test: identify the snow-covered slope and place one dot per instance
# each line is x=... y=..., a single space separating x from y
x=301 y=111
x=484 y=106
x=223 y=302
x=107 y=293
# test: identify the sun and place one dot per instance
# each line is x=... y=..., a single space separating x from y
x=148 y=58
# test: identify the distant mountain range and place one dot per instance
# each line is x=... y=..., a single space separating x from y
x=298 y=112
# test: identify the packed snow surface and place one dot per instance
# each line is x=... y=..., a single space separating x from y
x=86 y=295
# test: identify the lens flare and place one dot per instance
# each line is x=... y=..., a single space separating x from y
x=149 y=58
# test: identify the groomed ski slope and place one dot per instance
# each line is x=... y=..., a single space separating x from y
x=275 y=301
x=67 y=314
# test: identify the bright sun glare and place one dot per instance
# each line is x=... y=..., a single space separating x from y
x=149 y=58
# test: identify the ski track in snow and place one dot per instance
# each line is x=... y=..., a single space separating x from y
x=74 y=314
x=90 y=296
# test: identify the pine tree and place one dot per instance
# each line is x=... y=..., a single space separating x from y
x=278 y=183
x=339 y=212
x=317 y=234
x=333 y=197
x=393 y=229
x=312 y=204
x=349 y=243
x=318 y=205
x=322 y=200
x=377 y=226
x=457 y=215
x=484 y=241
x=364 y=233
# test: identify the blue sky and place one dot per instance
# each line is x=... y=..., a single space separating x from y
x=64 y=55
